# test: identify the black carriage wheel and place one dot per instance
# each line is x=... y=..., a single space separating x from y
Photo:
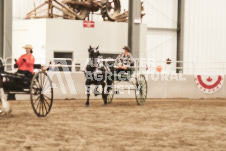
x=110 y=9
x=111 y=94
x=141 y=89
x=41 y=94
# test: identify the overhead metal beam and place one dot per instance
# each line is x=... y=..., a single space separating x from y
x=134 y=27
x=180 y=34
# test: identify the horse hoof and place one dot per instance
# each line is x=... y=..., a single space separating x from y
x=105 y=104
x=7 y=112
x=86 y=105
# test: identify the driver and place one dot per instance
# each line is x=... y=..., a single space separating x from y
x=124 y=61
x=26 y=62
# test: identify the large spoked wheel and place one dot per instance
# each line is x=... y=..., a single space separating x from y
x=141 y=89
x=81 y=12
x=41 y=94
x=111 y=94
x=110 y=9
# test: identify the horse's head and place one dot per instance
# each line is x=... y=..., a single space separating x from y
x=94 y=52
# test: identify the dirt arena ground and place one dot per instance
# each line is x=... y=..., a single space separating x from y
x=159 y=125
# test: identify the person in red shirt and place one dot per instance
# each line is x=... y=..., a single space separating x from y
x=26 y=62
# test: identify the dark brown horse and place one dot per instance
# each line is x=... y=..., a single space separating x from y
x=96 y=74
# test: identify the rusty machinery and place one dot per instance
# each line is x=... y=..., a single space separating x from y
x=109 y=8
x=80 y=9
x=76 y=9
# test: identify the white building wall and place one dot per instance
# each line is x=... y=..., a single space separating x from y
x=205 y=31
x=54 y=35
x=69 y=35
x=29 y=32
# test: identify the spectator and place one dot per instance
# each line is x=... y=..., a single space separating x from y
x=51 y=66
x=59 y=66
x=124 y=60
x=77 y=67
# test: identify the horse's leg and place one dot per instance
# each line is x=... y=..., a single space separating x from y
x=110 y=80
x=96 y=92
x=88 y=93
x=5 y=104
x=109 y=85
x=104 y=96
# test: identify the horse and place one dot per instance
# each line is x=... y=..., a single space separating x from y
x=5 y=104
x=96 y=74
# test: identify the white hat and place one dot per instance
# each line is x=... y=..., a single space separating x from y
x=28 y=46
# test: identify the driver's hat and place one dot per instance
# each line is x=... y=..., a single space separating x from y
x=126 y=48
x=27 y=46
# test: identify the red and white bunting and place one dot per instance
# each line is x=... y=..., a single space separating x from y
x=209 y=83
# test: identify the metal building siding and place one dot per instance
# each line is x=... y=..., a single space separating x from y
x=160 y=13
x=161 y=43
x=205 y=33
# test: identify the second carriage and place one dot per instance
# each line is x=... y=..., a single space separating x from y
x=39 y=87
x=134 y=78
